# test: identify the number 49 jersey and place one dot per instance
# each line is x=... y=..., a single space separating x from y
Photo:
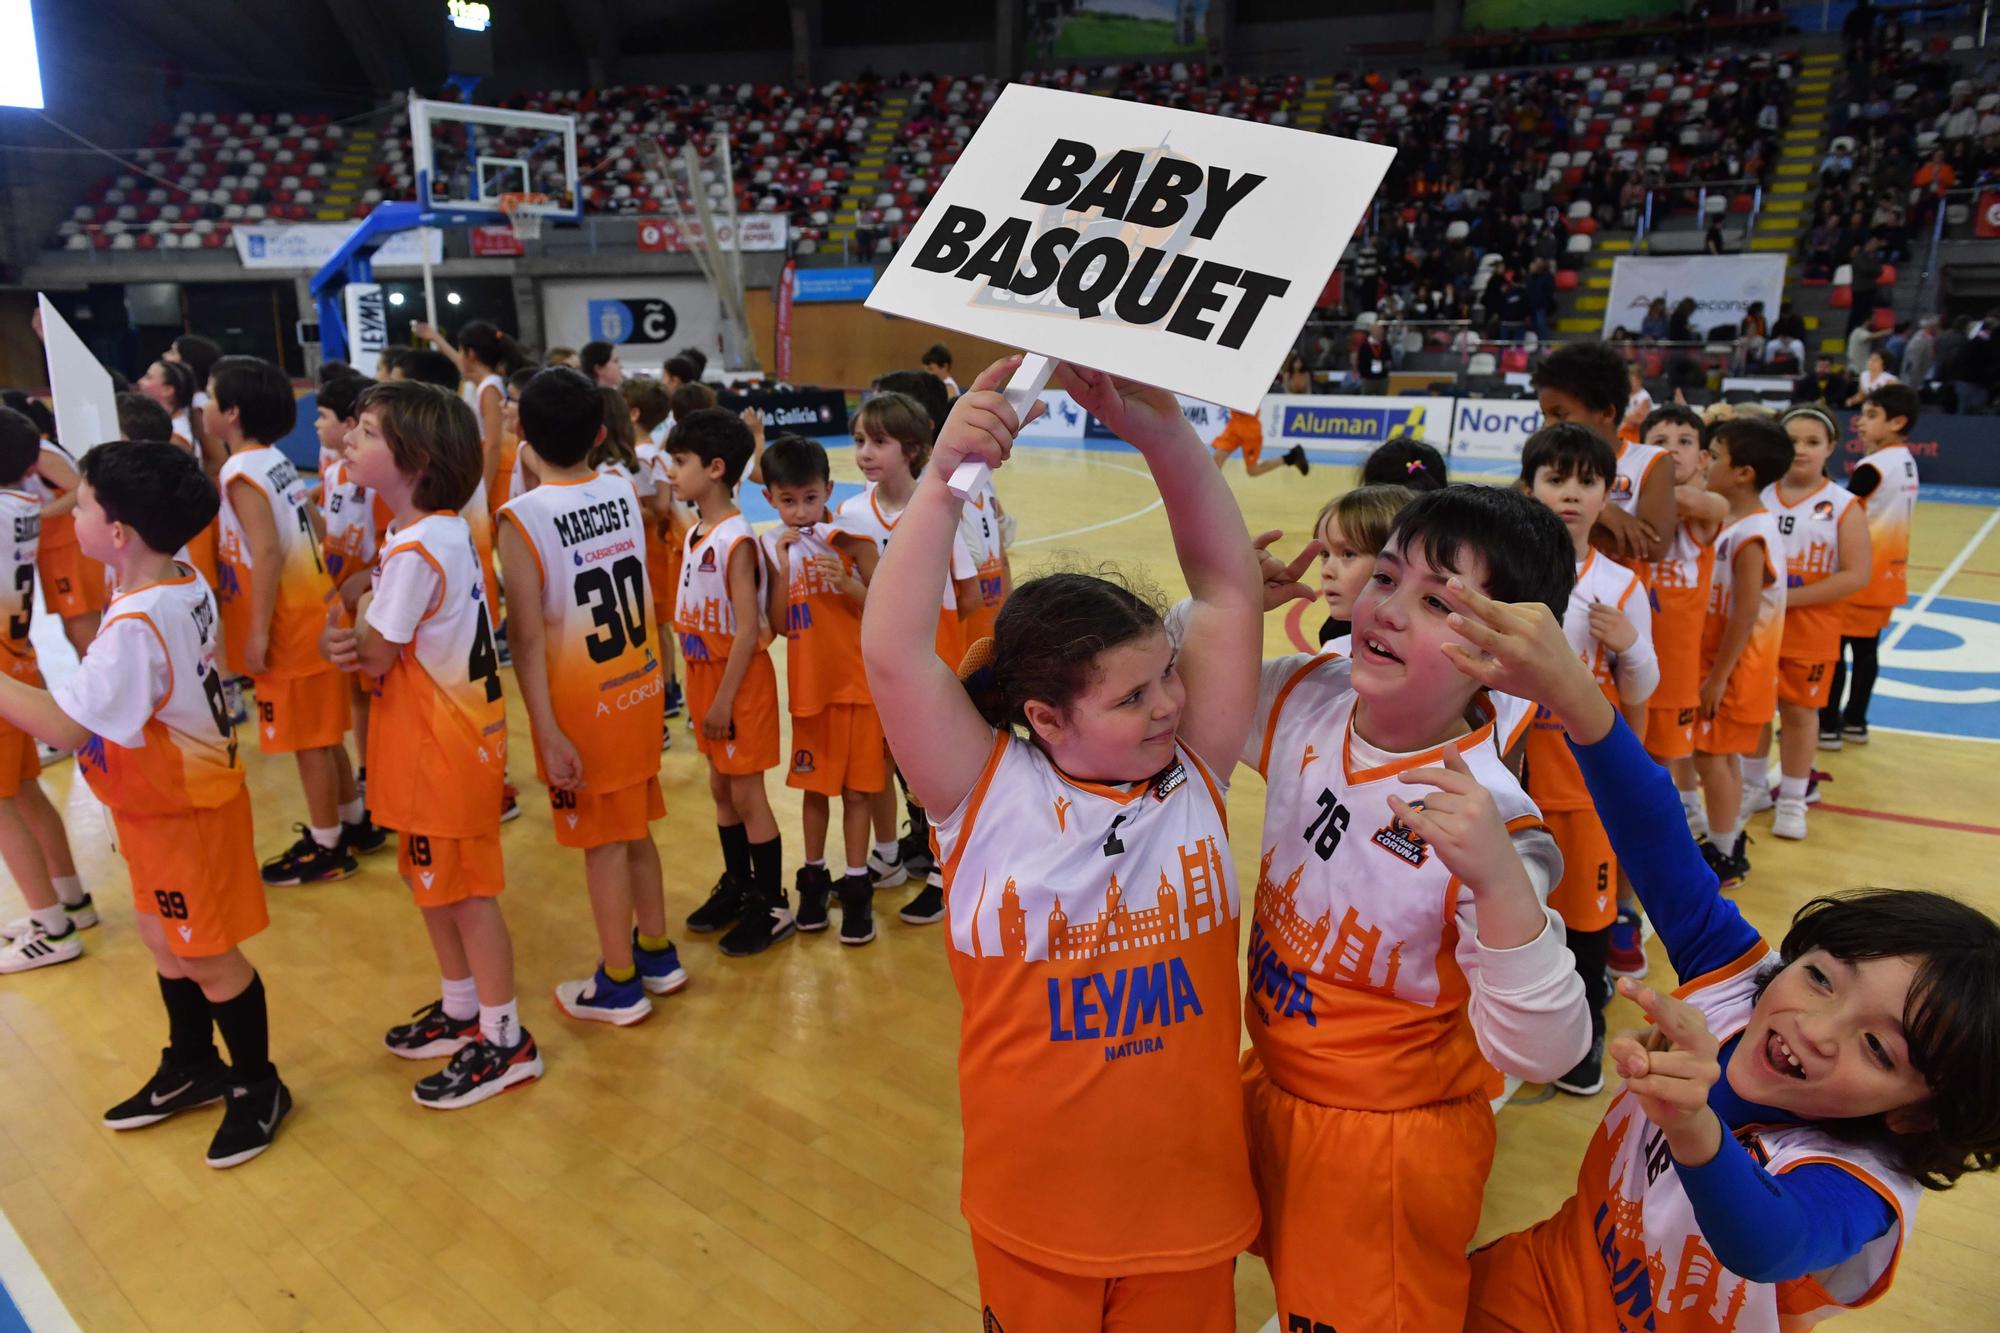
x=605 y=680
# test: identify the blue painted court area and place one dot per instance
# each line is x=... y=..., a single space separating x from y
x=1942 y=677
x=10 y=1316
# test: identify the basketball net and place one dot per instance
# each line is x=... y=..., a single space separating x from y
x=525 y=220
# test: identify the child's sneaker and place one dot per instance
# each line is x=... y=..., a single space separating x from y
x=82 y=915
x=510 y=803
x=914 y=847
x=1731 y=868
x=723 y=905
x=1588 y=1076
x=172 y=1089
x=364 y=837
x=250 y=1121
x=1790 y=819
x=886 y=874
x=306 y=862
x=660 y=973
x=928 y=905
x=814 y=886
x=479 y=1070
x=1628 y=947
x=1757 y=798
x=1296 y=456
x=1855 y=732
x=766 y=919
x=430 y=1033
x=38 y=948
x=667 y=735
x=857 y=910
x=675 y=700
x=1829 y=738
x=1812 y=785
x=602 y=1000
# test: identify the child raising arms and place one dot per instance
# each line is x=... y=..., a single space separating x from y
x=1073 y=796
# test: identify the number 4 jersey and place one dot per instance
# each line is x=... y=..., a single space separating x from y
x=606 y=683
x=437 y=735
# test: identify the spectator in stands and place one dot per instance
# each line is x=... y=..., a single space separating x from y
x=1371 y=363
x=1541 y=297
x=1978 y=361
x=1295 y=377
x=1826 y=385
x=1713 y=243
x=1867 y=281
x=1933 y=178
x=1751 y=336
x=1680 y=325
x=1784 y=356
x=1511 y=309
x=1950 y=342
x=1837 y=167
x=1823 y=245
x=1960 y=122
x=1874 y=377
x=1920 y=353
x=1654 y=326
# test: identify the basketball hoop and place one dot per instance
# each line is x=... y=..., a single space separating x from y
x=523 y=215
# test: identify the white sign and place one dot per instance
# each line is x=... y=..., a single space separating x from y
x=1177 y=248
x=86 y=404
x=647 y=318
x=1493 y=427
x=1723 y=286
x=367 y=325
x=758 y=231
x=309 y=245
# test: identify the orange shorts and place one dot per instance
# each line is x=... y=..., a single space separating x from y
x=1723 y=734
x=1804 y=684
x=303 y=712
x=21 y=762
x=1862 y=622
x=1243 y=432
x=838 y=749
x=752 y=746
x=1587 y=897
x=1377 y=1248
x=1670 y=732
x=72 y=583
x=1018 y=1295
x=197 y=872
x=951 y=640
x=201 y=550
x=589 y=819
x=443 y=871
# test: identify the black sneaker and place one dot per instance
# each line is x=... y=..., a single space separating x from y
x=1855 y=733
x=306 y=862
x=1588 y=1076
x=363 y=837
x=480 y=1070
x=928 y=905
x=172 y=1088
x=1731 y=868
x=250 y=1121
x=724 y=905
x=857 y=910
x=675 y=699
x=1296 y=456
x=431 y=1033
x=765 y=920
x=1829 y=737
x=814 y=887
x=914 y=847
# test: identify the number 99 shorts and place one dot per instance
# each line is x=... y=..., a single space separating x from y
x=196 y=871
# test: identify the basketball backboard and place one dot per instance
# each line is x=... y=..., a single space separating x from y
x=467 y=156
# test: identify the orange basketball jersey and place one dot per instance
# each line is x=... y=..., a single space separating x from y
x=1891 y=506
x=822 y=625
x=355 y=520
x=1752 y=692
x=704 y=615
x=59 y=531
x=1811 y=533
x=478 y=516
x=304 y=589
x=979 y=527
x=1679 y=586
x=1092 y=933
x=149 y=691
x=1635 y=463
x=606 y=683
x=437 y=735
x=1553 y=777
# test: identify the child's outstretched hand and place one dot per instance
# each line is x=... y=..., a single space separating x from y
x=981 y=426
x=1139 y=414
x=1670 y=1069
x=1518 y=648
x=755 y=421
x=1612 y=627
x=1282 y=581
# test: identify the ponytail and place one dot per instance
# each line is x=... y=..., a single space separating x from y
x=500 y=353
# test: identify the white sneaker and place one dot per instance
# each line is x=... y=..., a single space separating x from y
x=83 y=916
x=885 y=873
x=36 y=949
x=1756 y=798
x=1790 y=820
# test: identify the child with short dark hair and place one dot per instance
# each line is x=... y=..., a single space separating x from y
x=1589 y=384
x=937 y=360
x=819 y=587
x=426 y=365
x=355 y=520
x=1886 y=483
x=732 y=689
x=680 y=371
x=599 y=361
x=141 y=417
x=144 y=712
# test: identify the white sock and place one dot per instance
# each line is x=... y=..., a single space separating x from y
x=1791 y=788
x=1696 y=811
x=935 y=879
x=69 y=888
x=1756 y=771
x=819 y=864
x=461 y=997
x=857 y=872
x=326 y=837
x=52 y=920
x=1735 y=832
x=887 y=851
x=352 y=811
x=500 y=1024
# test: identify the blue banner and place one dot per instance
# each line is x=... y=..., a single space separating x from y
x=833 y=284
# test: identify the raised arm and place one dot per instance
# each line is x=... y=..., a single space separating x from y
x=1222 y=646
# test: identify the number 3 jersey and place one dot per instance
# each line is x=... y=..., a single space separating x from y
x=1093 y=934
x=149 y=692
x=303 y=586
x=1368 y=989
x=21 y=515
x=606 y=684
x=437 y=734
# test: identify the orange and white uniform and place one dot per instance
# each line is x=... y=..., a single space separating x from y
x=1374 y=1012
x=705 y=620
x=356 y=518
x=1751 y=695
x=1892 y=505
x=162 y=759
x=72 y=583
x=1635 y=463
x=1092 y=934
x=862 y=514
x=20 y=536
x=1243 y=431
x=979 y=526
x=437 y=733
x=1587 y=896
x=302 y=702
x=471 y=393
x=663 y=548
x=1625 y=1251
x=606 y=682
x=1810 y=644
x=1678 y=583
x=837 y=740
x=478 y=518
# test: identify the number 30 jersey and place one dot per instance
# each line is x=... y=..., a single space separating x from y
x=605 y=680
x=437 y=735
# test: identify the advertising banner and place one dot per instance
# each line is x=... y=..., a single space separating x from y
x=1723 y=287
x=308 y=245
x=647 y=318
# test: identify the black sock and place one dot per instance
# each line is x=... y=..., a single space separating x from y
x=246 y=1029
x=1592 y=950
x=190 y=1028
x=735 y=852
x=767 y=862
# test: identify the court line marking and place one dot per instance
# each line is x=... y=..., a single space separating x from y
x=1922 y=820
x=36 y=1301
x=1938 y=584
x=1107 y=523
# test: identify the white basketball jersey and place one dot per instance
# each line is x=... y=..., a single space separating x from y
x=704 y=614
x=1635 y=461
x=279 y=481
x=1811 y=531
x=863 y=514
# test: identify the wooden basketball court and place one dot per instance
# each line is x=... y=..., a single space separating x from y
x=778 y=1146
